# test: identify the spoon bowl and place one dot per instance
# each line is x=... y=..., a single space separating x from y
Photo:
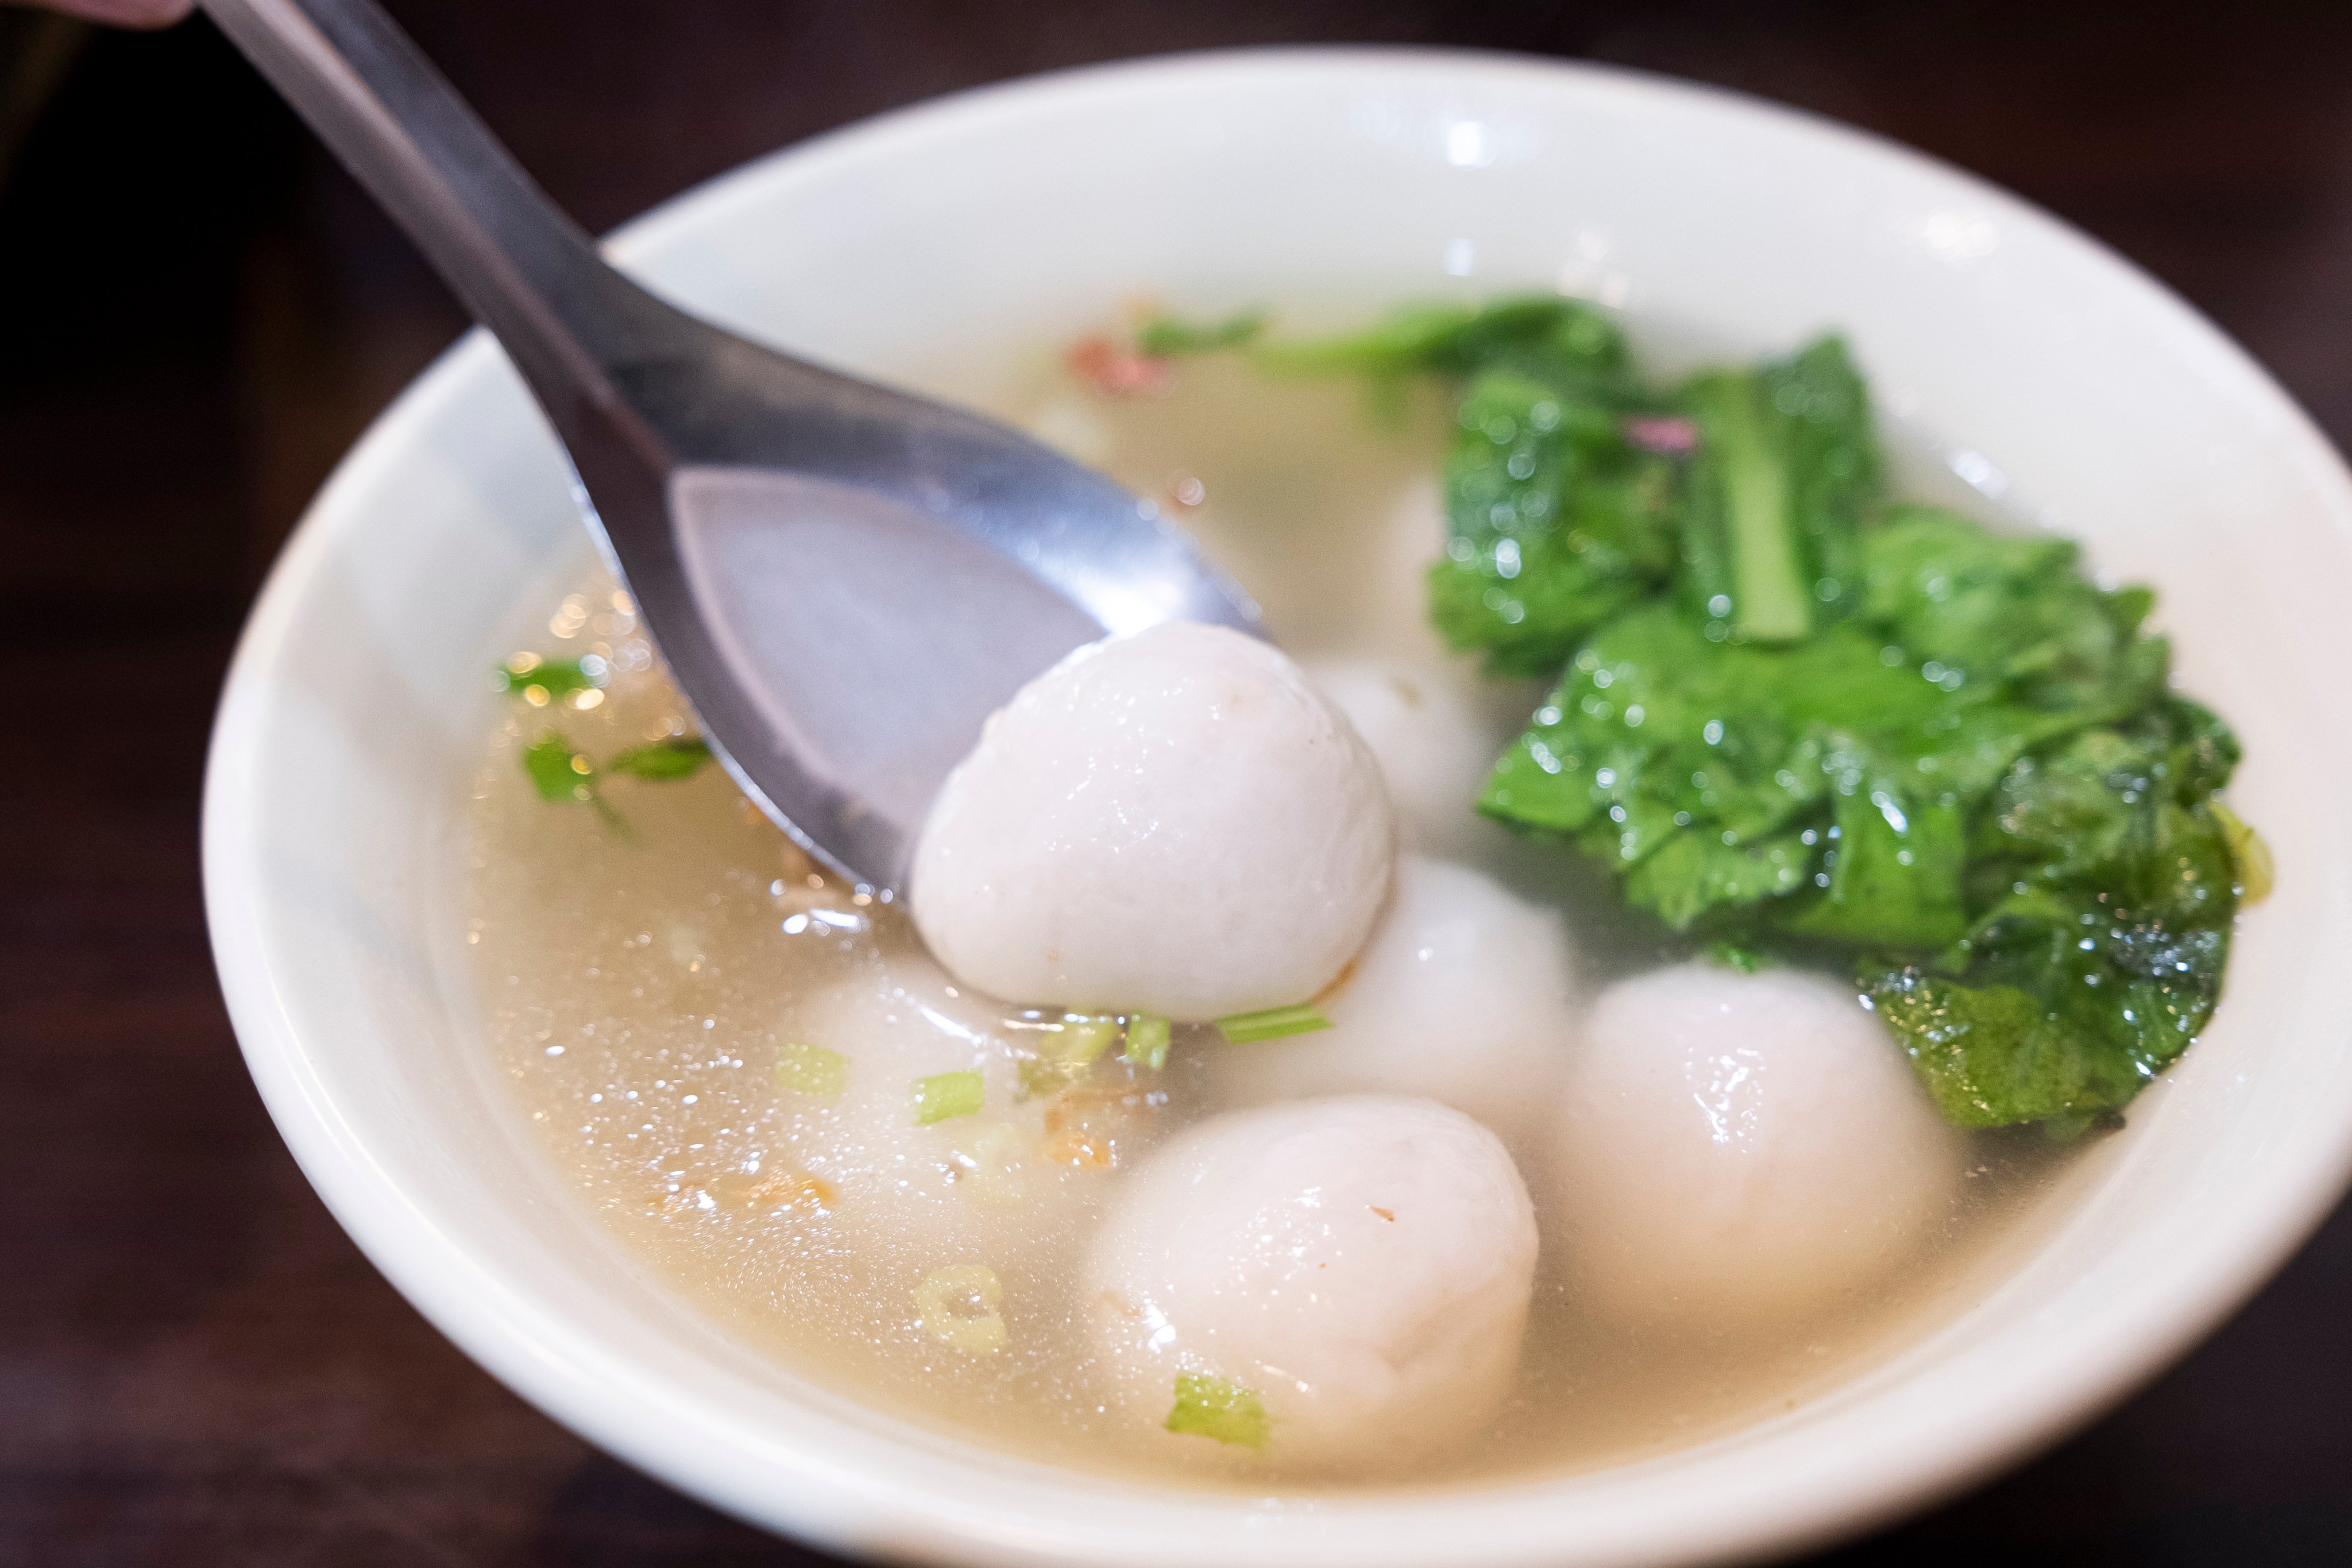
x=845 y=580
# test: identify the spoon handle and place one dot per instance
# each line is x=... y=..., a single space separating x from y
x=523 y=268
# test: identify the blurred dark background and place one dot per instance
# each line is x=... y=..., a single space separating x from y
x=198 y=313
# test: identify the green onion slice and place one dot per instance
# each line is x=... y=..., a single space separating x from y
x=1213 y=1407
x=1248 y=1029
x=1147 y=1040
x=1065 y=1051
x=944 y=1096
x=811 y=1071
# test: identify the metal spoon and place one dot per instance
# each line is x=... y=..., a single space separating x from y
x=845 y=580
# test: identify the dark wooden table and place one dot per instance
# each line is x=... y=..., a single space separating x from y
x=196 y=315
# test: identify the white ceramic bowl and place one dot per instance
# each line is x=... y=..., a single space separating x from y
x=2036 y=363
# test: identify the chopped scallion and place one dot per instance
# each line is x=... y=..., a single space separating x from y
x=811 y=1069
x=1065 y=1051
x=1083 y=1039
x=1147 y=1040
x=1273 y=1024
x=944 y=1096
x=1213 y=1407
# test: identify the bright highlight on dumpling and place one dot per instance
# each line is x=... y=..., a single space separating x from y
x=1339 y=1282
x=1733 y=1147
x=1173 y=822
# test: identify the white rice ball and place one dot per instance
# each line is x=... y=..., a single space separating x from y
x=1362 y=1265
x=1465 y=993
x=1741 y=1146
x=1173 y=822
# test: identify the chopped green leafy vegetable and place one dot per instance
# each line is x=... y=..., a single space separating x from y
x=1213 y=1407
x=1273 y=1024
x=1819 y=787
x=1750 y=550
x=1147 y=1040
x=1738 y=959
x=1791 y=714
x=945 y=1096
x=558 y=771
x=561 y=773
x=678 y=757
x=1787 y=465
x=811 y=1071
x=527 y=674
x=2106 y=888
x=2011 y=613
x=1555 y=523
x=1564 y=341
x=1164 y=337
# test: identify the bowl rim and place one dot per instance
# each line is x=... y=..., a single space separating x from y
x=829 y=1499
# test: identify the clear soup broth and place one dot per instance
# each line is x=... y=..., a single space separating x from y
x=657 y=962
